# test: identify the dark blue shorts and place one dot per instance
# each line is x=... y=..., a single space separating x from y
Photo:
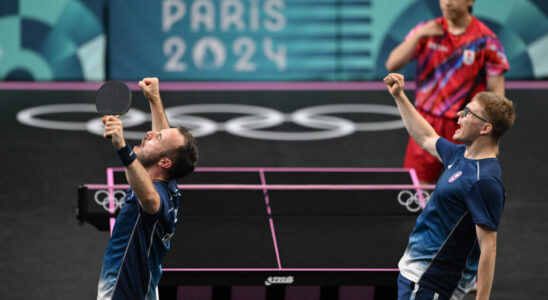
x=408 y=290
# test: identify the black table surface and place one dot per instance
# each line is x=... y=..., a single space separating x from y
x=231 y=236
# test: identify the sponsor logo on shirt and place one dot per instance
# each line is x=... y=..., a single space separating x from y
x=166 y=238
x=279 y=280
x=437 y=47
x=454 y=176
x=468 y=56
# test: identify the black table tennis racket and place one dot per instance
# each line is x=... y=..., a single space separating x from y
x=113 y=98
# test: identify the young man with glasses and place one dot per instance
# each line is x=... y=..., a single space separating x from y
x=467 y=111
x=453 y=243
x=457 y=57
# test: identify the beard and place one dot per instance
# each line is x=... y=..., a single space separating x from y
x=147 y=160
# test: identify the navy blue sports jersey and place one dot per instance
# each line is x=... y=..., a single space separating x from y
x=139 y=242
x=443 y=251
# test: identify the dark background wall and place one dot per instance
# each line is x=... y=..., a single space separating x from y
x=45 y=254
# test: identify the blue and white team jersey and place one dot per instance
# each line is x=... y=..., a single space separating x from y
x=139 y=242
x=443 y=251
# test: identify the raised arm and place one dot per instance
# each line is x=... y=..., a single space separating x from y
x=486 y=267
x=495 y=84
x=137 y=177
x=417 y=127
x=401 y=55
x=151 y=90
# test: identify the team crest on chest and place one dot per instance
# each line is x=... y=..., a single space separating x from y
x=468 y=56
x=454 y=176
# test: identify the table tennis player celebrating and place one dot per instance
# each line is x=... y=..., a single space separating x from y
x=141 y=236
x=453 y=243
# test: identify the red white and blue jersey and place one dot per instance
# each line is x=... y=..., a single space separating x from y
x=443 y=251
x=451 y=69
x=139 y=242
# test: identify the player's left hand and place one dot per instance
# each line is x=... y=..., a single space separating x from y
x=114 y=131
x=394 y=83
x=151 y=88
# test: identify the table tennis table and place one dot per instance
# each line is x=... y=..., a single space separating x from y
x=270 y=228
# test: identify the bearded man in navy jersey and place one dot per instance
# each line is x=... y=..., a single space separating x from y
x=453 y=243
x=141 y=236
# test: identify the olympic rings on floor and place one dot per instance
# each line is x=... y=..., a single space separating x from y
x=251 y=122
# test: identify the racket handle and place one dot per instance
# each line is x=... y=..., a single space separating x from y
x=116 y=116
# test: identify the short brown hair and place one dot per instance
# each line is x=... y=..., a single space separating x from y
x=499 y=110
x=184 y=158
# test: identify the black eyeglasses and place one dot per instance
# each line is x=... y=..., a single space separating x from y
x=467 y=110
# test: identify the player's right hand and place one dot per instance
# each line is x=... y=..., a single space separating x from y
x=151 y=88
x=431 y=28
x=114 y=131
